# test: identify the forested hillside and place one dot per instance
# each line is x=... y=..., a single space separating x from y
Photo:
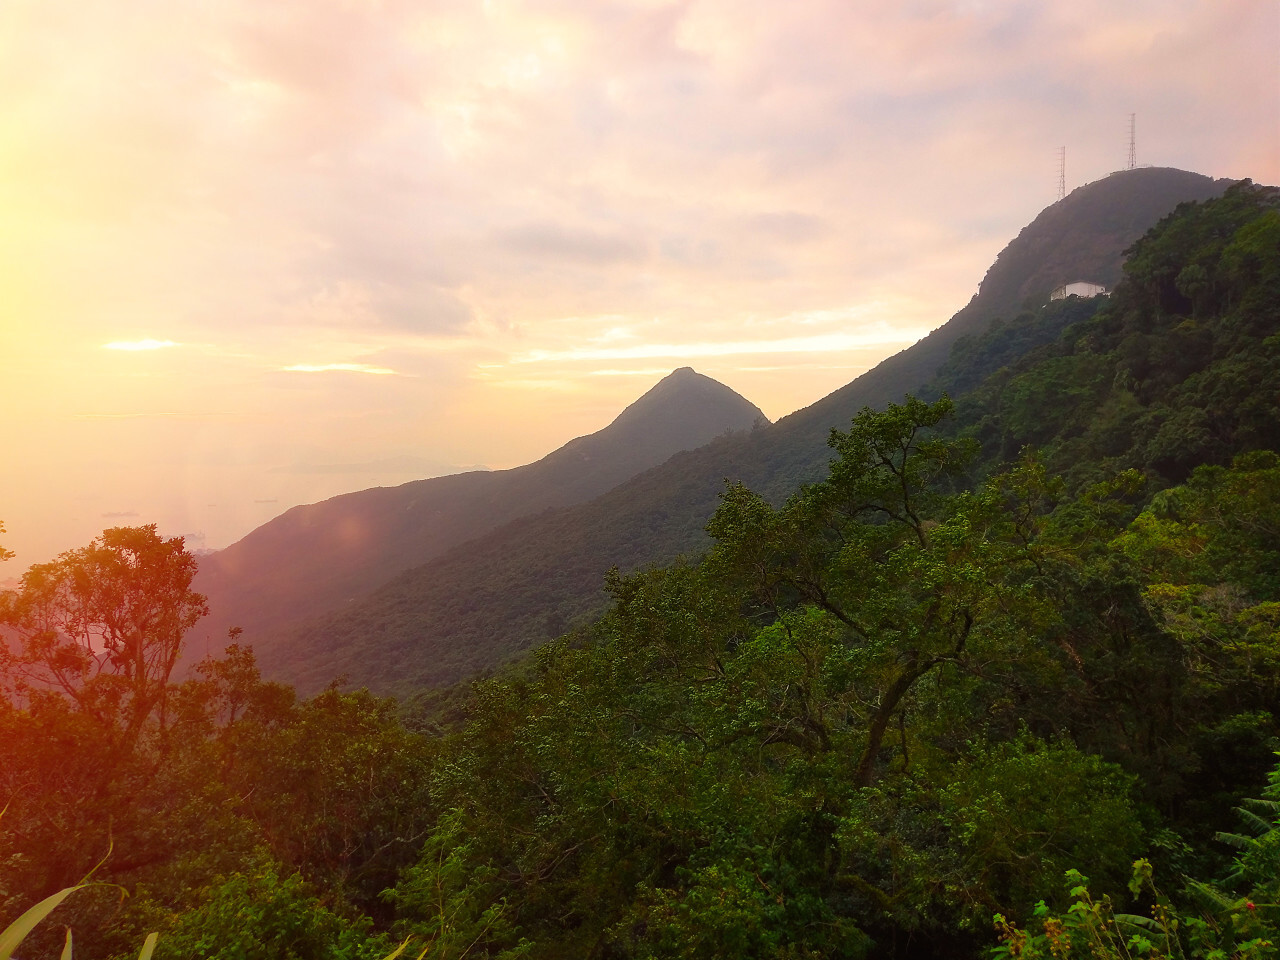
x=318 y=557
x=1004 y=682
x=1181 y=369
x=479 y=604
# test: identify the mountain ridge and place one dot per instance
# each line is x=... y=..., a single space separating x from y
x=486 y=600
x=316 y=557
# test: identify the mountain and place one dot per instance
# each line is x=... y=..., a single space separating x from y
x=315 y=558
x=486 y=600
x=1180 y=370
x=915 y=695
x=1082 y=236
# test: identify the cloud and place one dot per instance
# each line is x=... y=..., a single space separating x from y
x=594 y=247
x=789 y=226
x=818 y=344
x=120 y=514
x=140 y=415
x=431 y=169
x=338 y=368
x=136 y=345
x=647 y=372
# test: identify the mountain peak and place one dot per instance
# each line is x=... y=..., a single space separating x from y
x=1084 y=235
x=687 y=407
x=314 y=558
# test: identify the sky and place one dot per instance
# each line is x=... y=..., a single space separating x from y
x=257 y=254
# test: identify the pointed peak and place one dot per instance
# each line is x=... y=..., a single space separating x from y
x=680 y=376
x=686 y=394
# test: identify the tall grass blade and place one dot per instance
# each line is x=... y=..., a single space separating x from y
x=17 y=931
x=398 y=950
x=148 y=946
x=66 y=947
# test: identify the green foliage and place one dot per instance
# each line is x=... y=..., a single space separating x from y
x=733 y=908
x=883 y=707
x=976 y=357
x=454 y=907
x=266 y=916
x=103 y=625
x=1237 y=919
x=17 y=931
x=935 y=853
x=1223 y=524
x=696 y=770
x=675 y=778
x=1256 y=868
x=13 y=935
x=1021 y=811
x=194 y=787
x=1222 y=928
x=336 y=786
x=918 y=579
x=1178 y=370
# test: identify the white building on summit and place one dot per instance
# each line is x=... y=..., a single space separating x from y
x=1078 y=289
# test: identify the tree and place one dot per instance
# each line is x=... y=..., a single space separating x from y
x=103 y=626
x=914 y=576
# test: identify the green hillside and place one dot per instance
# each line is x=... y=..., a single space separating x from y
x=1179 y=370
x=898 y=714
x=479 y=604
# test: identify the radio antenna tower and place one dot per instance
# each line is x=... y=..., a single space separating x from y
x=1062 y=172
x=1133 y=141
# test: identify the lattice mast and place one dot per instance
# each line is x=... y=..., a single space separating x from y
x=1133 y=141
x=1062 y=172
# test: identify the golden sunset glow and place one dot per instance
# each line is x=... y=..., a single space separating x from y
x=822 y=343
x=337 y=367
x=136 y=345
x=486 y=226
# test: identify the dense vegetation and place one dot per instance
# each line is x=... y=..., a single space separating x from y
x=1181 y=369
x=1030 y=632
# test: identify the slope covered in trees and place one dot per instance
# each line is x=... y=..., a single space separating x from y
x=318 y=557
x=876 y=716
x=479 y=604
x=1180 y=369
x=916 y=694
